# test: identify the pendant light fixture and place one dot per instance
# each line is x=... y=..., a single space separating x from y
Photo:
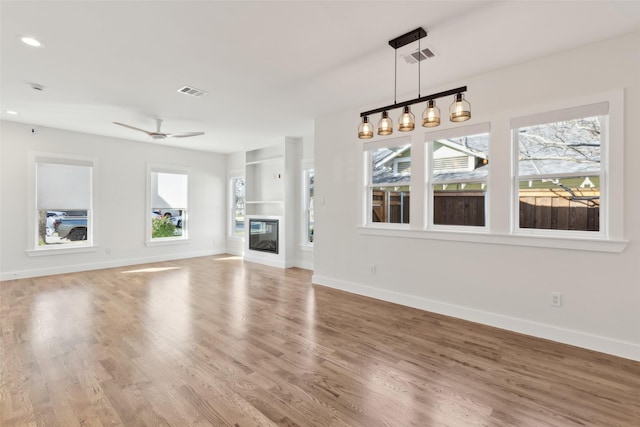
x=459 y=111
x=365 y=130
x=385 y=125
x=406 y=121
x=431 y=115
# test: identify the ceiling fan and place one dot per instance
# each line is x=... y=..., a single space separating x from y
x=161 y=135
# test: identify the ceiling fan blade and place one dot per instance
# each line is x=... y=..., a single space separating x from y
x=131 y=127
x=184 y=134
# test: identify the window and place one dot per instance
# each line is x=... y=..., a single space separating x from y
x=168 y=210
x=308 y=185
x=237 y=192
x=63 y=202
x=458 y=175
x=560 y=171
x=388 y=181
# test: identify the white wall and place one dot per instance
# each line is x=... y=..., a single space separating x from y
x=501 y=285
x=120 y=220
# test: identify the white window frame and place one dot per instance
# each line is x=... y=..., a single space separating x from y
x=231 y=177
x=159 y=241
x=33 y=249
x=457 y=132
x=367 y=148
x=603 y=109
x=305 y=211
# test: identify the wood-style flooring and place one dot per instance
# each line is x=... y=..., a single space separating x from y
x=214 y=341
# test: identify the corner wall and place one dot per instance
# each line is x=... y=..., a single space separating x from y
x=120 y=220
x=500 y=285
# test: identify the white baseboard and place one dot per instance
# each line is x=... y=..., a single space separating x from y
x=614 y=347
x=10 y=275
x=306 y=265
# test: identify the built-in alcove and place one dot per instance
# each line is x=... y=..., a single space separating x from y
x=270 y=176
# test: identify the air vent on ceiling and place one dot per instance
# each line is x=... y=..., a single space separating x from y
x=192 y=91
x=414 y=57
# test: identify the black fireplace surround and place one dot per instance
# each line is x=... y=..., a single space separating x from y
x=263 y=235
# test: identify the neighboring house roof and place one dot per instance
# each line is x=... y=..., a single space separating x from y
x=577 y=157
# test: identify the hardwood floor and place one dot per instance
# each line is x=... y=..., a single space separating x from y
x=215 y=341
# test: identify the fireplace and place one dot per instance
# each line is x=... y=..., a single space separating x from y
x=263 y=235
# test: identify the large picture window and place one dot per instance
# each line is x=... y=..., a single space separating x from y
x=458 y=175
x=63 y=203
x=560 y=171
x=169 y=204
x=388 y=181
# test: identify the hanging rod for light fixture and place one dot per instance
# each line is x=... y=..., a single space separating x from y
x=416 y=100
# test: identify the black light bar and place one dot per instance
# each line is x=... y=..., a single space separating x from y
x=415 y=101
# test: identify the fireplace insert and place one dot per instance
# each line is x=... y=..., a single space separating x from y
x=263 y=235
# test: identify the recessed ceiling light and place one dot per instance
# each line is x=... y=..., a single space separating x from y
x=30 y=41
x=13 y=113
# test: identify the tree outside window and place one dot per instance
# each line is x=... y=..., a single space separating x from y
x=309 y=177
x=237 y=206
x=559 y=174
x=169 y=194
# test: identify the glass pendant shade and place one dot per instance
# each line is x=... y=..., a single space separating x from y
x=460 y=109
x=431 y=115
x=385 y=125
x=365 y=130
x=406 y=121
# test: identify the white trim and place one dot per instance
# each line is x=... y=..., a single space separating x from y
x=173 y=169
x=566 y=336
x=33 y=157
x=609 y=106
x=231 y=177
x=60 y=250
x=21 y=274
x=430 y=182
x=474 y=235
x=458 y=132
x=165 y=241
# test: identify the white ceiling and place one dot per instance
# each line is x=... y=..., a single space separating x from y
x=270 y=67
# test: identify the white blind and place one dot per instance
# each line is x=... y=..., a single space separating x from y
x=168 y=190
x=457 y=132
x=62 y=186
x=386 y=143
x=592 y=110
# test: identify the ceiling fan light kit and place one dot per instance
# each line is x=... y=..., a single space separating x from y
x=157 y=135
x=459 y=111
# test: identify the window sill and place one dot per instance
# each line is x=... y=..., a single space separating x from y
x=306 y=248
x=581 y=244
x=61 y=250
x=166 y=241
x=238 y=238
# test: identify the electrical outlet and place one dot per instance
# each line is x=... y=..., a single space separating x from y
x=373 y=269
x=556 y=299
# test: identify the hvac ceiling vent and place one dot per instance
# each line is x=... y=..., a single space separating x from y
x=414 y=57
x=192 y=91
